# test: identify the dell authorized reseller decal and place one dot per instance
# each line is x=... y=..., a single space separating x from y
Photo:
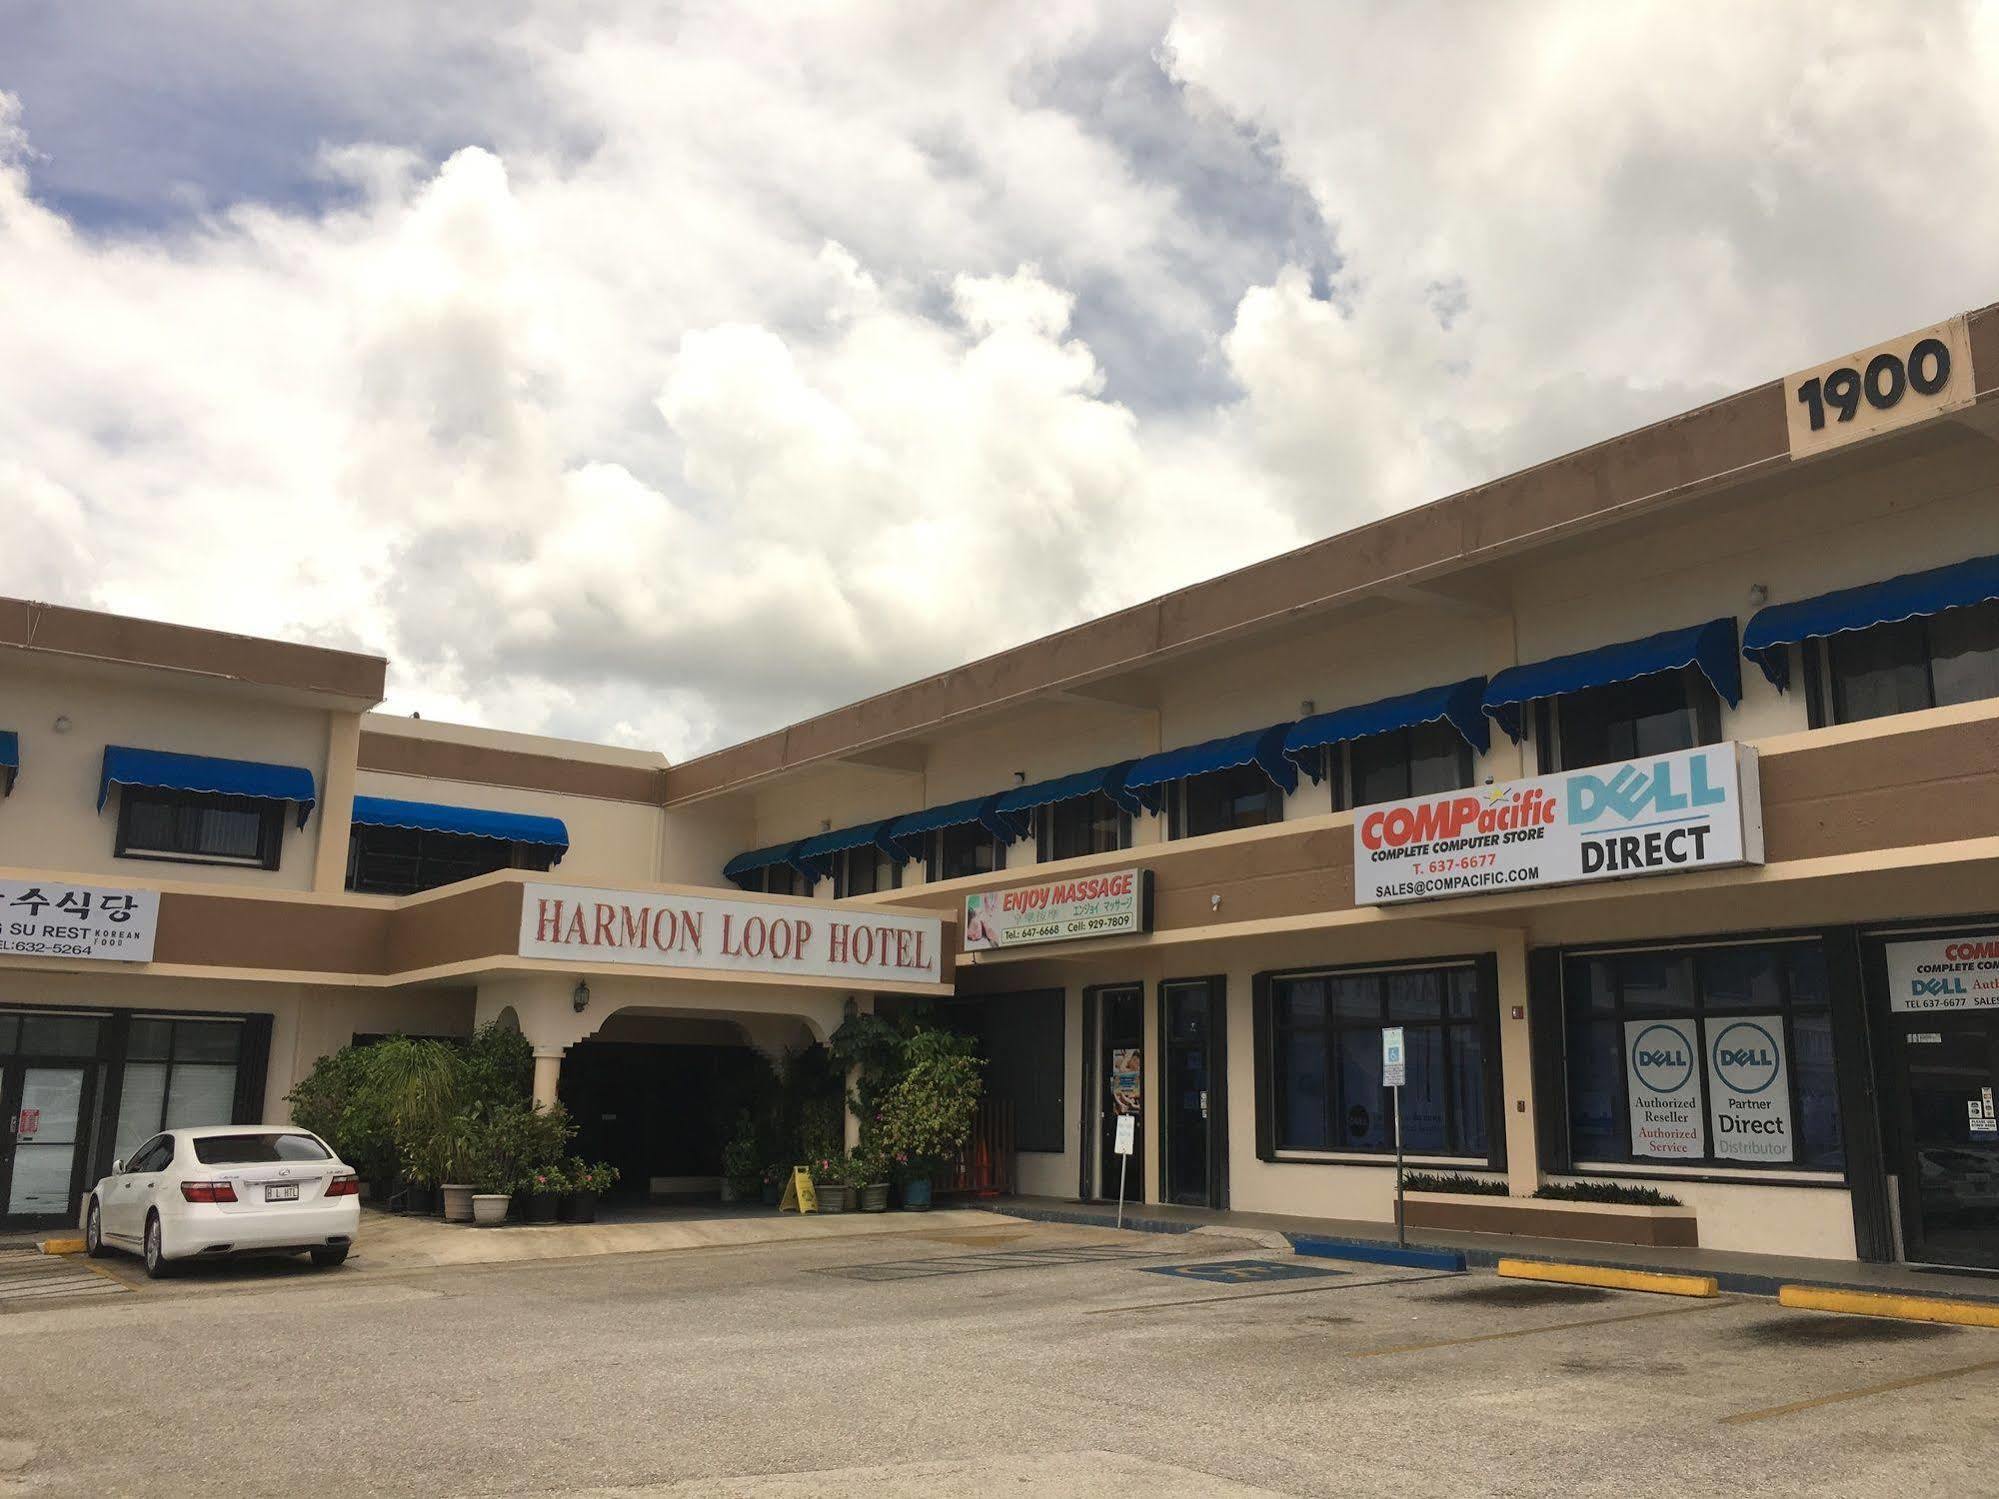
x=1696 y=809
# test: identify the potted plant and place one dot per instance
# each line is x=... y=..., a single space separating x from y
x=541 y=1189
x=829 y=1184
x=773 y=1185
x=867 y=1173
x=741 y=1177
x=586 y=1182
x=927 y=1117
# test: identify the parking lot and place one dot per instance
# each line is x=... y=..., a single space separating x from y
x=998 y=1357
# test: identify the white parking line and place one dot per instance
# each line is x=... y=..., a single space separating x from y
x=28 y=1276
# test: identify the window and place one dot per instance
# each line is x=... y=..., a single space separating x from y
x=1655 y=715
x=178 y=1074
x=1241 y=797
x=1417 y=761
x=1021 y=1039
x=402 y=861
x=1325 y=1062
x=258 y=1150
x=863 y=871
x=198 y=828
x=1777 y=990
x=1080 y=825
x=968 y=849
x=154 y=1155
x=1952 y=657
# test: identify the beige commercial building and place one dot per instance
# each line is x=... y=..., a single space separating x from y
x=1648 y=799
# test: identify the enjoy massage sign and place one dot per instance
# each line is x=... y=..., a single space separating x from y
x=661 y=930
x=1695 y=809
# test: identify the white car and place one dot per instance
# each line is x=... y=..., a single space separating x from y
x=213 y=1193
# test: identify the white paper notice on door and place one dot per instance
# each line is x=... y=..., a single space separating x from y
x=1751 y=1082
x=1662 y=1072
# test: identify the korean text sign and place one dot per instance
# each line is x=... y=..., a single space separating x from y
x=53 y=919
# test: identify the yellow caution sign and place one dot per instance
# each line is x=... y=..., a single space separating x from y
x=799 y=1197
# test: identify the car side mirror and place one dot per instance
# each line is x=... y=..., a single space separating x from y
x=117 y=1166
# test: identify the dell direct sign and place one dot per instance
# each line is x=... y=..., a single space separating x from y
x=1695 y=809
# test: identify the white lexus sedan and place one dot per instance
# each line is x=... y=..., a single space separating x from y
x=207 y=1194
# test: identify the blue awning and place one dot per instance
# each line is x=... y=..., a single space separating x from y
x=162 y=771
x=1459 y=703
x=1711 y=647
x=1014 y=805
x=904 y=830
x=464 y=822
x=814 y=852
x=1264 y=747
x=1958 y=586
x=10 y=760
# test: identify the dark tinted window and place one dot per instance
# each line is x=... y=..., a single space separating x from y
x=257 y=1150
x=865 y=870
x=965 y=850
x=1429 y=758
x=1952 y=657
x=195 y=826
x=1241 y=797
x=1020 y=1038
x=402 y=861
x=1082 y=825
x=1655 y=715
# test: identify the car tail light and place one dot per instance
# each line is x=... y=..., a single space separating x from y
x=208 y=1191
x=348 y=1185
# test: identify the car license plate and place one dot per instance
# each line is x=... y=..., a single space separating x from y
x=281 y=1194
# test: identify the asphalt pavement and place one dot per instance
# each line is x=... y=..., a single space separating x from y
x=998 y=1358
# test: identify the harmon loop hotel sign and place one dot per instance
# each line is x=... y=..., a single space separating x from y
x=1695 y=809
x=659 y=929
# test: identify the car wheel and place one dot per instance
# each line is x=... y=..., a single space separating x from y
x=158 y=1266
x=93 y=1232
x=326 y=1259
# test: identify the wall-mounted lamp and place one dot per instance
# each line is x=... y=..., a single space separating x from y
x=1758 y=595
x=1020 y=778
x=1307 y=707
x=850 y=1009
x=62 y=724
x=1214 y=903
x=579 y=997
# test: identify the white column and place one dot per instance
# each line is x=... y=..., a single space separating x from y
x=547 y=1070
x=1523 y=1146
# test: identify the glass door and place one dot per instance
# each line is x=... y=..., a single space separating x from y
x=46 y=1108
x=1195 y=1168
x=1121 y=1076
x=1950 y=1071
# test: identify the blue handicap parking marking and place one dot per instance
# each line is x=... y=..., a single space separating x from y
x=1244 y=1272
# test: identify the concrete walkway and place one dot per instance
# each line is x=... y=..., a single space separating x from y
x=390 y=1241
x=1746 y=1274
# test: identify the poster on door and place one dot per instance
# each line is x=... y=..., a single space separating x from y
x=1944 y=973
x=1124 y=1079
x=1750 y=1088
x=1662 y=1067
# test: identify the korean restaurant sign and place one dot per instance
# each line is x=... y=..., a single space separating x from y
x=1694 y=809
x=1945 y=973
x=655 y=929
x=48 y=919
x=1116 y=904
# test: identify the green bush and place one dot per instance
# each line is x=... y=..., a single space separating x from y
x=1451 y=1181
x=507 y=1148
x=1607 y=1192
x=742 y=1165
x=928 y=1115
x=383 y=1108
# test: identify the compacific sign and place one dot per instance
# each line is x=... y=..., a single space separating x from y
x=1694 y=809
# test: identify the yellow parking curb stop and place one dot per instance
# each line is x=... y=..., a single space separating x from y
x=1610 y=1279
x=1880 y=1304
x=61 y=1246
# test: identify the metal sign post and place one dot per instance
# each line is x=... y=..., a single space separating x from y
x=1127 y=1132
x=1393 y=1071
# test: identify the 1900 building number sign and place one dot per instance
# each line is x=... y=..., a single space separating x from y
x=1890 y=385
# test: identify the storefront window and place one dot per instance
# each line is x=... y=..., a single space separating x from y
x=179 y=1074
x=1952 y=657
x=1325 y=1065
x=1719 y=1057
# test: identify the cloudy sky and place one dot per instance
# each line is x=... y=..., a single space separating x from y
x=660 y=373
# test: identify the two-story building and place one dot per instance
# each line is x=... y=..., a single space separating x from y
x=1649 y=798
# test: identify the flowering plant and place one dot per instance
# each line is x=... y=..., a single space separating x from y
x=597 y=1176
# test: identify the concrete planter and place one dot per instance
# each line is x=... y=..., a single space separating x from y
x=457 y=1203
x=874 y=1198
x=832 y=1196
x=489 y=1209
x=1543 y=1218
